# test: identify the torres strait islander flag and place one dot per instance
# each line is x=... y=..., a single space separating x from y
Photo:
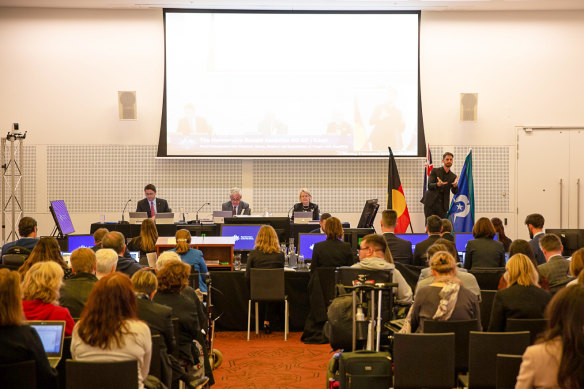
x=396 y=199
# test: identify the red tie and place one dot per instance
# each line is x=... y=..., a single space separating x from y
x=234 y=210
x=152 y=212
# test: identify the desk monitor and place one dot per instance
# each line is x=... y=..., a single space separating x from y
x=165 y=218
x=353 y=236
x=244 y=235
x=61 y=216
x=461 y=240
x=76 y=241
x=572 y=238
x=280 y=224
x=414 y=239
x=138 y=217
x=368 y=214
x=306 y=243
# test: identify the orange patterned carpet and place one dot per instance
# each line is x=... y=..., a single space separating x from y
x=267 y=361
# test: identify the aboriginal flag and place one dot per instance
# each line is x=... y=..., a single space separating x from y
x=396 y=199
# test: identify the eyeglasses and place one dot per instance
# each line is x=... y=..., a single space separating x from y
x=363 y=248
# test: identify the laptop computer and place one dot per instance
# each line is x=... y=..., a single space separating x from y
x=52 y=334
x=165 y=218
x=302 y=217
x=219 y=216
x=138 y=217
x=66 y=257
x=135 y=255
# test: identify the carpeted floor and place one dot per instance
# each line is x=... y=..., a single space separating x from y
x=267 y=361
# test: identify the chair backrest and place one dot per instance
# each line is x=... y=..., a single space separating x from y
x=13 y=260
x=326 y=277
x=20 y=375
x=486 y=306
x=488 y=277
x=155 y=360
x=346 y=275
x=266 y=284
x=176 y=328
x=19 y=250
x=507 y=370
x=534 y=326
x=194 y=278
x=415 y=357
x=461 y=329
x=410 y=273
x=99 y=375
x=483 y=350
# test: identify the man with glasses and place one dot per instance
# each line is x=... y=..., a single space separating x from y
x=235 y=205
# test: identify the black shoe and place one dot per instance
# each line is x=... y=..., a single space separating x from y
x=267 y=329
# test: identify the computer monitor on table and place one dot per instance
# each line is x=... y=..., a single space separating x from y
x=306 y=243
x=572 y=238
x=76 y=241
x=280 y=223
x=244 y=235
x=414 y=239
x=368 y=214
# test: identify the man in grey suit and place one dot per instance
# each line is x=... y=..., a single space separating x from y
x=557 y=267
x=534 y=223
x=235 y=205
x=401 y=249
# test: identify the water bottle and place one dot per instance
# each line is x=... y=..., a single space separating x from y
x=237 y=262
x=292 y=256
x=301 y=264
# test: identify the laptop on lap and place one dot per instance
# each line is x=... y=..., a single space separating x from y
x=52 y=334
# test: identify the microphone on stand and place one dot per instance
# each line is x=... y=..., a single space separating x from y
x=124 y=211
x=292 y=207
x=197 y=217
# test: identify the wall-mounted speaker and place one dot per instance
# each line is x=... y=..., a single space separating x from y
x=127 y=105
x=468 y=107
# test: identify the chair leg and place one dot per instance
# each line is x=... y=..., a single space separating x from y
x=248 y=317
x=257 y=319
x=286 y=318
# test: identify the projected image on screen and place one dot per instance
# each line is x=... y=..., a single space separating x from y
x=292 y=84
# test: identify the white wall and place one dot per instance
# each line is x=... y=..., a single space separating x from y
x=60 y=71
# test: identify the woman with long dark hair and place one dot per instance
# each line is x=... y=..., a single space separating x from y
x=556 y=360
x=501 y=237
x=47 y=249
x=109 y=328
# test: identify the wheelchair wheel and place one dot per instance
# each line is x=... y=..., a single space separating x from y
x=215 y=358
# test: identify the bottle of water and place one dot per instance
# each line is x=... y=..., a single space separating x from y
x=292 y=255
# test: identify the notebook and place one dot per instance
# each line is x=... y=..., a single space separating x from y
x=52 y=334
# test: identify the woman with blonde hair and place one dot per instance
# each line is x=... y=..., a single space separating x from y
x=191 y=256
x=146 y=242
x=332 y=252
x=47 y=249
x=18 y=341
x=305 y=205
x=523 y=298
x=265 y=255
x=445 y=298
x=40 y=288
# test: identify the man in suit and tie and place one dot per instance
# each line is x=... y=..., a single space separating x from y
x=441 y=182
x=534 y=223
x=401 y=249
x=151 y=204
x=557 y=267
x=322 y=222
x=433 y=226
x=235 y=205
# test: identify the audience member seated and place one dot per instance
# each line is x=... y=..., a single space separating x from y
x=433 y=227
x=520 y=246
x=468 y=280
x=115 y=240
x=321 y=223
x=447 y=231
x=41 y=294
x=27 y=229
x=107 y=260
x=75 y=291
x=266 y=255
x=401 y=249
x=445 y=299
x=305 y=205
x=18 y=341
x=47 y=249
x=483 y=251
x=97 y=237
x=109 y=329
x=375 y=255
x=146 y=242
x=556 y=267
x=332 y=252
x=576 y=266
x=522 y=299
x=170 y=256
x=191 y=256
x=556 y=361
x=501 y=237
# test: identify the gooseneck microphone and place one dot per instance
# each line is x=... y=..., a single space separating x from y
x=124 y=211
x=197 y=216
x=292 y=207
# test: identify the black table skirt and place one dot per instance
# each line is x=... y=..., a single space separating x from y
x=230 y=300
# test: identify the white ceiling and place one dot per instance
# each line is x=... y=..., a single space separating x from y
x=436 y=5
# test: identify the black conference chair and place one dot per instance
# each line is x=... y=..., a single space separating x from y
x=534 y=326
x=21 y=375
x=64 y=357
x=194 y=278
x=507 y=370
x=13 y=261
x=267 y=285
x=488 y=277
x=99 y=375
x=176 y=327
x=486 y=307
x=461 y=330
x=415 y=361
x=483 y=350
x=156 y=360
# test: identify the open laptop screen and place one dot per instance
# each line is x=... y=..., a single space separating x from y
x=51 y=334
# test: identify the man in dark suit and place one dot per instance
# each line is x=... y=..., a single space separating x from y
x=151 y=201
x=27 y=229
x=441 y=181
x=75 y=291
x=115 y=240
x=235 y=205
x=322 y=222
x=401 y=249
x=534 y=223
x=433 y=226
x=557 y=267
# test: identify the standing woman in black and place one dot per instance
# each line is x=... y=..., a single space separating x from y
x=265 y=255
x=332 y=252
x=305 y=205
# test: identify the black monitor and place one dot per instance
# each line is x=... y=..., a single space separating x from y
x=61 y=217
x=353 y=236
x=572 y=238
x=280 y=224
x=368 y=214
